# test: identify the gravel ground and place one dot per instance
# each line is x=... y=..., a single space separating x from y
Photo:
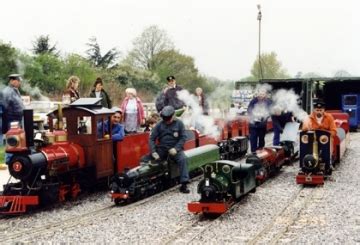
x=279 y=212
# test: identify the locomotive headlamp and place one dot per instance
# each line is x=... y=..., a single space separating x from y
x=13 y=140
x=17 y=166
x=324 y=139
x=305 y=139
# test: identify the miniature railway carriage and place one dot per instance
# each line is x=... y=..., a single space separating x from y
x=319 y=151
x=77 y=153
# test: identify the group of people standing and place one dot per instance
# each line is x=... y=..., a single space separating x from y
x=261 y=108
x=131 y=108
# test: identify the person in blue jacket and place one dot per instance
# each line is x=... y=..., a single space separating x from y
x=117 y=130
x=259 y=112
x=279 y=119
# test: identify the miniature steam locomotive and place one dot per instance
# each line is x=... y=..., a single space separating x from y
x=319 y=152
x=225 y=182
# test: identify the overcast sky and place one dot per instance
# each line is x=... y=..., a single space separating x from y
x=319 y=36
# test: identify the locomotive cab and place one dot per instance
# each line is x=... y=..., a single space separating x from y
x=84 y=121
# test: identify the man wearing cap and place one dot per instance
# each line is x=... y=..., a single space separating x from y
x=12 y=103
x=171 y=137
x=319 y=119
x=169 y=96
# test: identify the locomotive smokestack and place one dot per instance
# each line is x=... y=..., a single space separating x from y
x=29 y=126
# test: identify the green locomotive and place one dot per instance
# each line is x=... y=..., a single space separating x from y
x=152 y=177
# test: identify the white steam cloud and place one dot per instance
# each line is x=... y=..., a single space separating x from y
x=287 y=100
x=194 y=118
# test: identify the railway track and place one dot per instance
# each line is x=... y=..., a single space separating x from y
x=189 y=233
x=279 y=225
x=28 y=234
x=85 y=219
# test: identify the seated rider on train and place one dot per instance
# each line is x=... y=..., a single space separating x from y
x=117 y=130
x=319 y=119
x=167 y=139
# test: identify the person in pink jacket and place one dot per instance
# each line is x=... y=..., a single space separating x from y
x=134 y=114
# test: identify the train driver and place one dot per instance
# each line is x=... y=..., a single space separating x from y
x=319 y=119
x=171 y=137
x=117 y=130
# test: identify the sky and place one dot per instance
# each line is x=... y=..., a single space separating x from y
x=319 y=36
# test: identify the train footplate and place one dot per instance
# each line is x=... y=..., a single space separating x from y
x=17 y=204
x=310 y=179
x=207 y=207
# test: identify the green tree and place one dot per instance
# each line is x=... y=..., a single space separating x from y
x=95 y=57
x=77 y=65
x=46 y=72
x=311 y=75
x=151 y=42
x=42 y=46
x=269 y=67
x=8 y=56
x=342 y=73
x=171 y=62
x=145 y=82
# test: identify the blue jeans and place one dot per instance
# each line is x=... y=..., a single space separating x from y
x=257 y=138
x=276 y=139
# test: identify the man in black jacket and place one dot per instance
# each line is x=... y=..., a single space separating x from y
x=169 y=96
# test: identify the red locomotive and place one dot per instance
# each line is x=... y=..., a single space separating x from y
x=74 y=155
x=319 y=151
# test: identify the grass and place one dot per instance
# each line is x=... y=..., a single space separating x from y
x=2 y=153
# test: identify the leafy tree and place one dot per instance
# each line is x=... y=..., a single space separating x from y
x=151 y=42
x=95 y=57
x=270 y=67
x=42 y=46
x=8 y=56
x=145 y=82
x=77 y=65
x=172 y=62
x=46 y=72
x=342 y=73
x=311 y=75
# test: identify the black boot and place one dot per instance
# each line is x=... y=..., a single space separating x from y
x=184 y=188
